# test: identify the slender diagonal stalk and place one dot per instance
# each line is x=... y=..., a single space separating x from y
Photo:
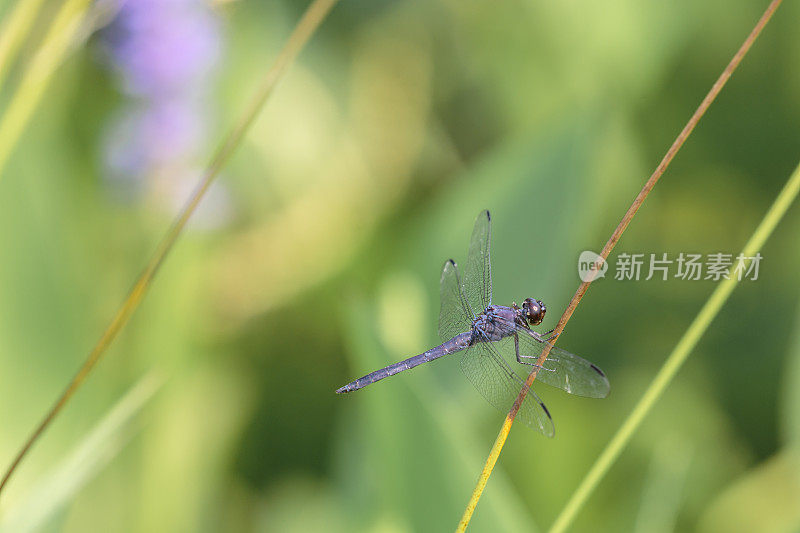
x=29 y=92
x=15 y=28
x=494 y=454
x=87 y=459
x=673 y=363
x=305 y=28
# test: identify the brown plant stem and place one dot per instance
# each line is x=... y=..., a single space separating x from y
x=612 y=241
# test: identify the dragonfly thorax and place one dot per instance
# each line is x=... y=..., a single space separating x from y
x=496 y=322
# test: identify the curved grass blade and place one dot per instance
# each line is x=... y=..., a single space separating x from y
x=305 y=28
x=58 y=41
x=15 y=28
x=95 y=450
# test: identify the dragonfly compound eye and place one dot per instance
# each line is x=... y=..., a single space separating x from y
x=534 y=311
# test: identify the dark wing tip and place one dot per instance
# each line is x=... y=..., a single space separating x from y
x=341 y=390
x=488 y=214
x=547 y=430
x=604 y=392
x=597 y=370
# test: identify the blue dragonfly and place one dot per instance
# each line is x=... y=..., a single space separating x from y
x=494 y=340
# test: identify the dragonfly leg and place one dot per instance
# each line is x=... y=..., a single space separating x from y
x=548 y=335
x=528 y=359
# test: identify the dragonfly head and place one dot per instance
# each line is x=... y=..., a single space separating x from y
x=534 y=311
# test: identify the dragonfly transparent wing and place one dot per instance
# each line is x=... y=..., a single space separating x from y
x=498 y=383
x=454 y=315
x=478 y=273
x=561 y=369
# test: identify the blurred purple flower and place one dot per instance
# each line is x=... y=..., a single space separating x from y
x=164 y=47
x=164 y=52
x=154 y=135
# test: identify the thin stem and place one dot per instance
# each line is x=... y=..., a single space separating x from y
x=305 y=28
x=673 y=363
x=612 y=241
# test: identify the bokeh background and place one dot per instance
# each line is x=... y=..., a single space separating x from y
x=316 y=259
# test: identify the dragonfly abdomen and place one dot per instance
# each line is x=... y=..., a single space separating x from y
x=457 y=343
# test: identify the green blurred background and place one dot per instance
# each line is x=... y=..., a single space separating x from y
x=400 y=122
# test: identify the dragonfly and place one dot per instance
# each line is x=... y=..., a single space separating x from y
x=497 y=342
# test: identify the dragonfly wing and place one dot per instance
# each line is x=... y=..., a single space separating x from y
x=561 y=369
x=478 y=273
x=454 y=314
x=498 y=383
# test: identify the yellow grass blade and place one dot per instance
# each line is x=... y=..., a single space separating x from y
x=57 y=42
x=15 y=28
x=305 y=28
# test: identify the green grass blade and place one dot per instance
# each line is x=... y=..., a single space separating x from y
x=675 y=359
x=97 y=448
x=59 y=40
x=13 y=32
